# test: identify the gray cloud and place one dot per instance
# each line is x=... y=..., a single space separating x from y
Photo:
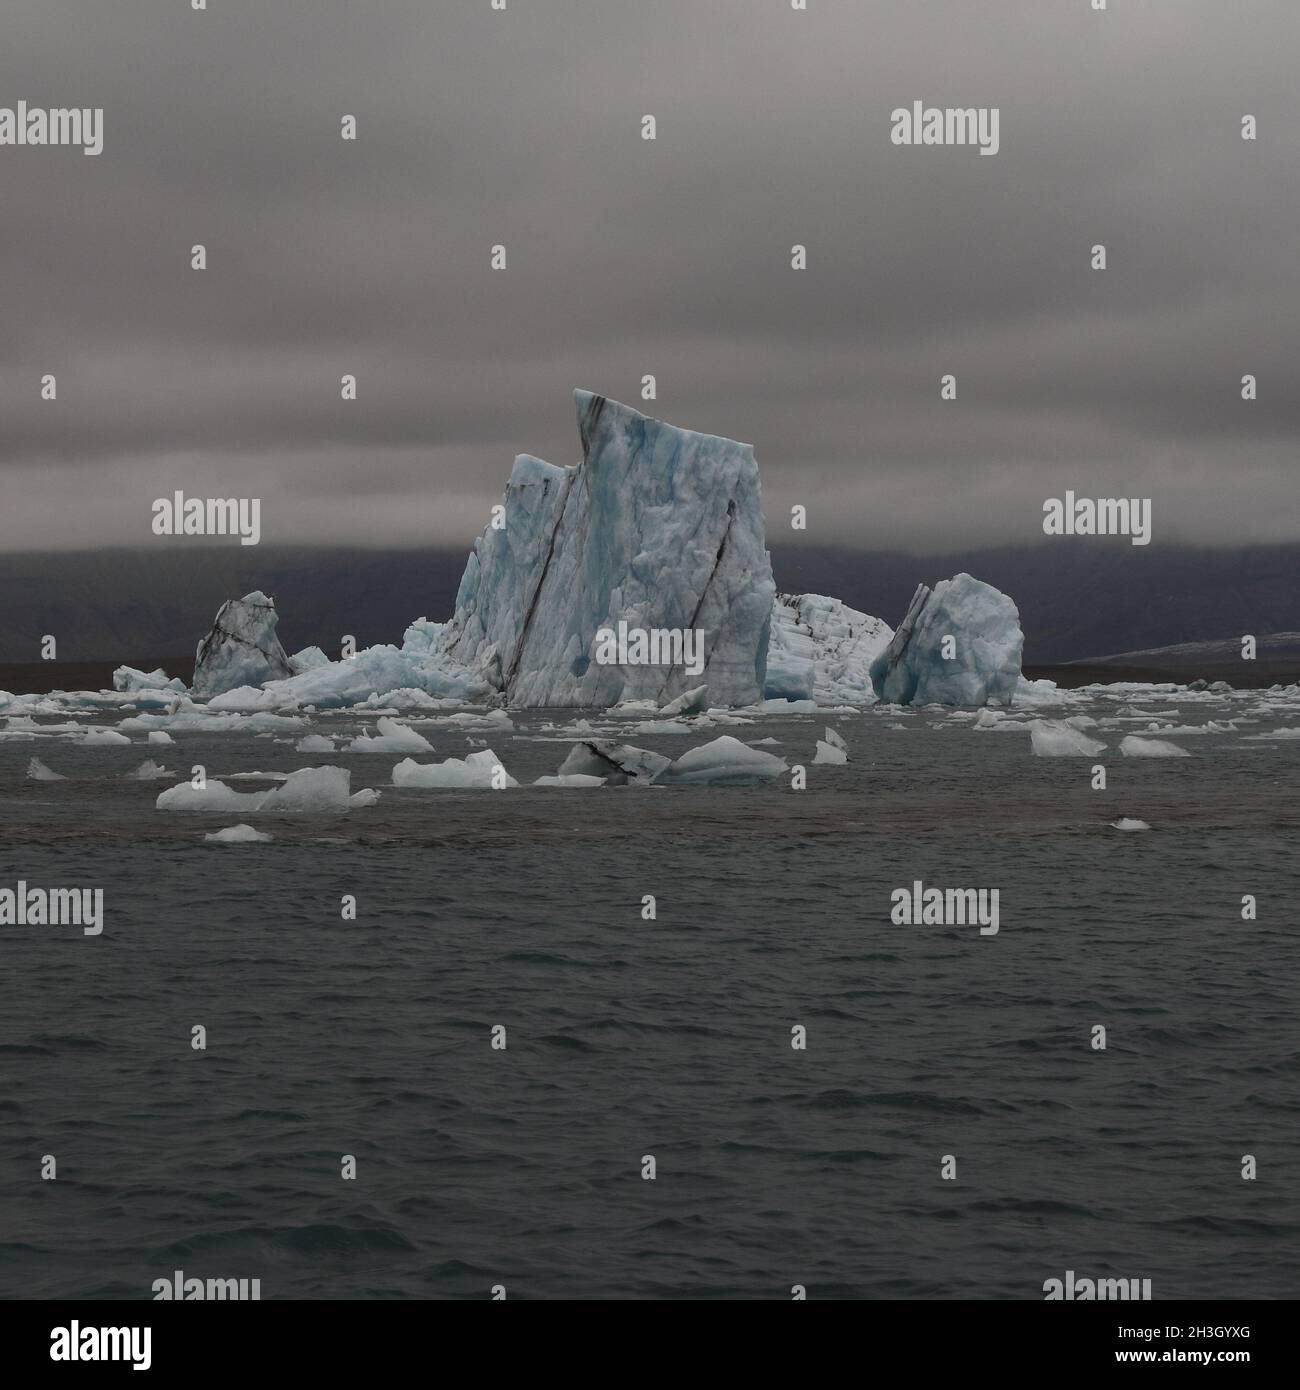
x=672 y=258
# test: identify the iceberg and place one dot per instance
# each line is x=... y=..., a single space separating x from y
x=657 y=527
x=128 y=679
x=822 y=650
x=315 y=790
x=1134 y=747
x=393 y=737
x=1052 y=739
x=724 y=762
x=479 y=771
x=242 y=648
x=237 y=835
x=38 y=772
x=617 y=763
x=984 y=665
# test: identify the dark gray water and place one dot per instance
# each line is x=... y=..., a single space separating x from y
x=628 y=1037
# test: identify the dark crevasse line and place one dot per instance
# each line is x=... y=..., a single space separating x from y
x=708 y=583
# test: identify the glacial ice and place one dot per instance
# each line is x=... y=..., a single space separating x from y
x=1134 y=747
x=657 y=527
x=392 y=737
x=1125 y=823
x=103 y=738
x=828 y=753
x=474 y=772
x=237 y=835
x=571 y=779
x=242 y=648
x=313 y=790
x=1056 y=739
x=724 y=762
x=127 y=678
x=38 y=772
x=987 y=641
x=148 y=771
x=822 y=650
x=617 y=763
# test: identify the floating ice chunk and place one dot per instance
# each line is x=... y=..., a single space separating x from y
x=127 y=678
x=829 y=753
x=274 y=723
x=242 y=648
x=310 y=789
x=1050 y=739
x=320 y=790
x=148 y=771
x=787 y=707
x=103 y=738
x=724 y=762
x=1134 y=747
x=617 y=763
x=315 y=743
x=822 y=650
x=476 y=771
x=985 y=644
x=657 y=527
x=835 y=740
x=159 y=736
x=237 y=835
x=669 y=726
x=988 y=719
x=367 y=796
x=572 y=779
x=212 y=796
x=242 y=697
x=1124 y=823
x=688 y=702
x=38 y=772
x=391 y=738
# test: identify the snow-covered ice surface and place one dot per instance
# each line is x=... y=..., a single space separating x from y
x=958 y=644
x=242 y=648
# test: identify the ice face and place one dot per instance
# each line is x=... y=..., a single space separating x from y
x=822 y=650
x=984 y=665
x=659 y=528
x=242 y=648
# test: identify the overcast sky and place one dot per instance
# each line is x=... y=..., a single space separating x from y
x=628 y=257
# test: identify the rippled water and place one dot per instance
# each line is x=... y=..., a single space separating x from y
x=627 y=1037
